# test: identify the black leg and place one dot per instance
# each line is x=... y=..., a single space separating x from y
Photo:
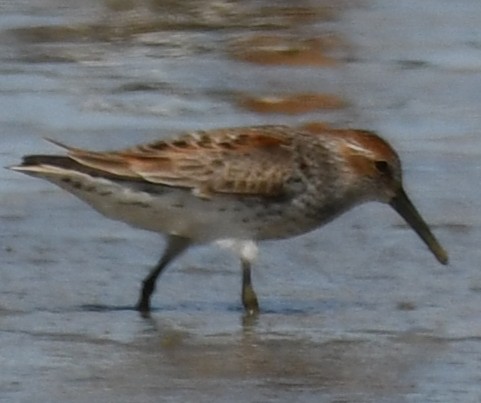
x=175 y=246
x=249 y=297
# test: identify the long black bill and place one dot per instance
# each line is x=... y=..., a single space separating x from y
x=406 y=209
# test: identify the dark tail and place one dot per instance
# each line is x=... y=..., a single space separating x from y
x=68 y=163
x=54 y=160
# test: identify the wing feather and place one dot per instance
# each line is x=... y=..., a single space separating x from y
x=249 y=161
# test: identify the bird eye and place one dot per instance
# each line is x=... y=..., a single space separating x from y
x=382 y=167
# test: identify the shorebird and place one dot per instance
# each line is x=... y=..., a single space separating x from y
x=234 y=187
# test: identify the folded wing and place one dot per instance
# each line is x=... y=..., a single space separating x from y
x=250 y=161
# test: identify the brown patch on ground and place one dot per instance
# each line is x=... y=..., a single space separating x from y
x=272 y=50
x=291 y=104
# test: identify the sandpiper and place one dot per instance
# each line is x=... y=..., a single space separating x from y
x=234 y=187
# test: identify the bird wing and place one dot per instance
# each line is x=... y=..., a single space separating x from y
x=246 y=161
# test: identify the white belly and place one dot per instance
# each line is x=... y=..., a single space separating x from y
x=177 y=211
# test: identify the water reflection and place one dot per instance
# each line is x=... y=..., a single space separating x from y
x=255 y=363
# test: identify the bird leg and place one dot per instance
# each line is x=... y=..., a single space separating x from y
x=175 y=246
x=249 y=297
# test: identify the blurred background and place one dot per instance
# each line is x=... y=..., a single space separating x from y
x=358 y=311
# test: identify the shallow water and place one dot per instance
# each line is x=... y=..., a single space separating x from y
x=356 y=312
